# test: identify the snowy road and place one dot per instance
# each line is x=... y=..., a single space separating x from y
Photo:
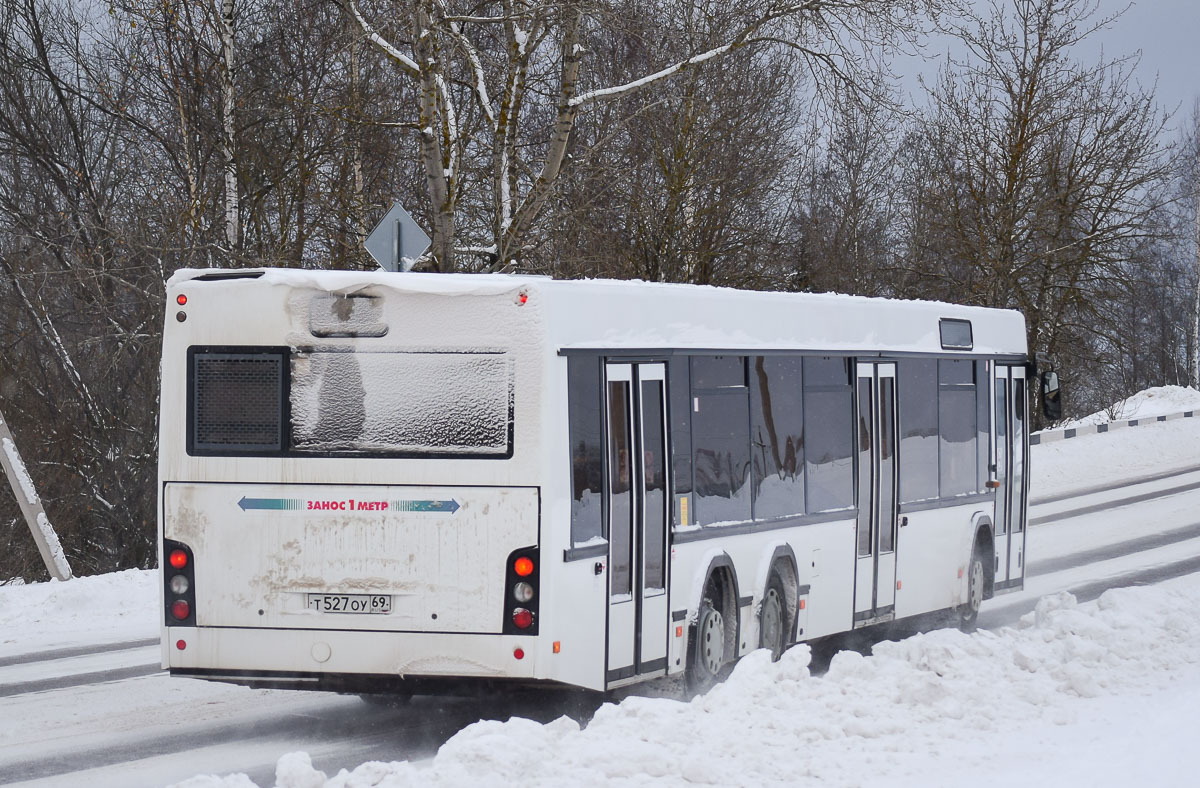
x=101 y=715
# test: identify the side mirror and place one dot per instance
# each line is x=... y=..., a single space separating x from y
x=1051 y=396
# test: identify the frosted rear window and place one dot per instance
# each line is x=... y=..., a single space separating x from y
x=402 y=403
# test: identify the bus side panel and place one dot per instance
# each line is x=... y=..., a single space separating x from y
x=932 y=549
x=825 y=552
x=439 y=554
x=824 y=561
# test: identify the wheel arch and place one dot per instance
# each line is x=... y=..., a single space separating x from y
x=717 y=565
x=981 y=534
x=779 y=558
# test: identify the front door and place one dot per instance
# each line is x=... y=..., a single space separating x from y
x=1011 y=419
x=637 y=519
x=875 y=570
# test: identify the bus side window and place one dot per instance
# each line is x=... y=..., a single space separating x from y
x=777 y=436
x=958 y=456
x=587 y=447
x=916 y=379
x=828 y=433
x=721 y=440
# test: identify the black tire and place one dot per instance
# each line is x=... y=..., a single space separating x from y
x=773 y=619
x=706 y=657
x=968 y=612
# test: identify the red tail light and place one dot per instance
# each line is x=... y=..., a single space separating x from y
x=178 y=559
x=522 y=618
x=180 y=609
x=523 y=566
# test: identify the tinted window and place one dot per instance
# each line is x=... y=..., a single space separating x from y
x=956 y=334
x=587 y=447
x=825 y=371
x=680 y=390
x=654 y=490
x=918 y=391
x=828 y=434
x=957 y=417
x=777 y=436
x=982 y=423
x=714 y=372
x=620 y=480
x=721 y=436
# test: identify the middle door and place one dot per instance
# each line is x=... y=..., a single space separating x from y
x=875 y=567
x=638 y=517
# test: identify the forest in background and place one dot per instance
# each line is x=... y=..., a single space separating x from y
x=763 y=145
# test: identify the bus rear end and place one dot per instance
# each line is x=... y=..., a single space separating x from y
x=345 y=503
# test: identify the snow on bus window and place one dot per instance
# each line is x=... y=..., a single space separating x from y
x=336 y=315
x=401 y=403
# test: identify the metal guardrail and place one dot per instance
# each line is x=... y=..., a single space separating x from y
x=1049 y=436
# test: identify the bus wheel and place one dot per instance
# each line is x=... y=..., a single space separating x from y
x=771 y=626
x=708 y=650
x=968 y=613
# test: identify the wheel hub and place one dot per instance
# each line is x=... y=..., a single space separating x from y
x=976 y=585
x=772 y=621
x=712 y=642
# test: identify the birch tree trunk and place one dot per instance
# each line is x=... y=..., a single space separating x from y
x=434 y=156
x=228 y=98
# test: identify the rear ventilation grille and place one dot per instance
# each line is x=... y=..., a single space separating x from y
x=237 y=401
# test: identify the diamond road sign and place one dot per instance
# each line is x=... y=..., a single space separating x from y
x=397 y=241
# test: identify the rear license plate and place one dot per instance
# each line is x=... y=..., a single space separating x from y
x=350 y=603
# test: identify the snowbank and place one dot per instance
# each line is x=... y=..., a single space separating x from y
x=99 y=609
x=1095 y=459
x=1146 y=404
x=941 y=708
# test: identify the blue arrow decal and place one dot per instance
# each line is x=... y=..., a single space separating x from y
x=278 y=504
x=450 y=506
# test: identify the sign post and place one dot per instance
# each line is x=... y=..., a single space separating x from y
x=31 y=506
x=397 y=241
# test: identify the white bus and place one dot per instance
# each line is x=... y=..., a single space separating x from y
x=397 y=483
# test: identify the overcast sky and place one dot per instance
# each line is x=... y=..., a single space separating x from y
x=1164 y=31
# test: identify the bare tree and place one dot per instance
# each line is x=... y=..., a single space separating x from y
x=502 y=85
x=1044 y=168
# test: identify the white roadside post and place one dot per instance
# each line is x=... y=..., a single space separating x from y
x=31 y=506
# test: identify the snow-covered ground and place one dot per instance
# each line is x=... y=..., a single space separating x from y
x=1099 y=693
x=1146 y=404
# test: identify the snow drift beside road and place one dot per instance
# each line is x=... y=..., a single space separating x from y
x=1146 y=404
x=99 y=609
x=1051 y=697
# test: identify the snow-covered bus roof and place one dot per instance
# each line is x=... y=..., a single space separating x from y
x=636 y=315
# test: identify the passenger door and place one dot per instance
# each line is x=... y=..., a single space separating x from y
x=1011 y=415
x=875 y=570
x=637 y=519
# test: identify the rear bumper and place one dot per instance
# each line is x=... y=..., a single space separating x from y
x=306 y=658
